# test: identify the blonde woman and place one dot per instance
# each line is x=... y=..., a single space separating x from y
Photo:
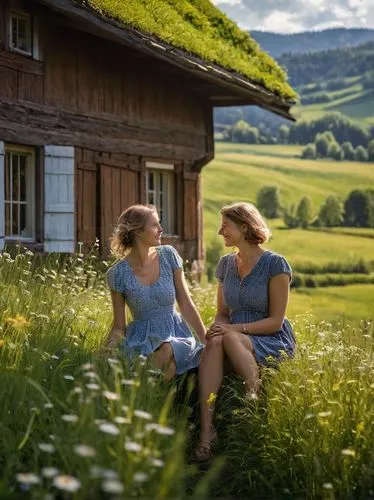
x=250 y=327
x=149 y=278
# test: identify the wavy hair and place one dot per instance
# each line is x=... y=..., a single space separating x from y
x=131 y=220
x=257 y=231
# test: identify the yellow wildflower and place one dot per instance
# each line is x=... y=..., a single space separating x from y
x=2 y=342
x=212 y=397
x=18 y=322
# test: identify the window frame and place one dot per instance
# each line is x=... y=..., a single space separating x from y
x=31 y=189
x=168 y=170
x=21 y=14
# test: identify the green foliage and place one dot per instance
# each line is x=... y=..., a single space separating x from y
x=199 y=27
x=371 y=150
x=242 y=132
x=331 y=212
x=322 y=145
x=305 y=211
x=334 y=151
x=213 y=253
x=290 y=217
x=359 y=208
x=268 y=201
x=309 y=152
x=361 y=154
x=348 y=151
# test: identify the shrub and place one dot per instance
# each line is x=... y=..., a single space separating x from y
x=331 y=212
x=309 y=152
x=361 y=154
x=268 y=201
x=348 y=150
x=334 y=151
x=305 y=211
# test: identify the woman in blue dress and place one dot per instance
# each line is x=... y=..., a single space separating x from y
x=149 y=278
x=250 y=328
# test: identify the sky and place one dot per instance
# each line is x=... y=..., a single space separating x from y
x=293 y=16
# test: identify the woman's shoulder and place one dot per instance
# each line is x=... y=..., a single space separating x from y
x=277 y=263
x=171 y=255
x=114 y=275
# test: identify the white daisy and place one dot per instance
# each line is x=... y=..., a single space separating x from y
x=140 y=477
x=27 y=478
x=70 y=418
x=112 y=396
x=122 y=420
x=68 y=377
x=132 y=446
x=47 y=447
x=93 y=387
x=84 y=451
x=112 y=486
x=49 y=471
x=143 y=414
x=66 y=483
x=109 y=429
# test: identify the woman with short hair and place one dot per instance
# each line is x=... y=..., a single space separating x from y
x=149 y=278
x=250 y=328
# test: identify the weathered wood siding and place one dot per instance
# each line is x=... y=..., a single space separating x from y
x=118 y=108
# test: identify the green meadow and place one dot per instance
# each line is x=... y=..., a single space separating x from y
x=80 y=423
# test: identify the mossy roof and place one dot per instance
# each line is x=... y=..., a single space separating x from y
x=200 y=29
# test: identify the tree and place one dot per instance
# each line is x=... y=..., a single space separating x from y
x=348 y=150
x=305 y=211
x=331 y=212
x=361 y=154
x=309 y=152
x=290 y=218
x=371 y=150
x=359 y=208
x=334 y=151
x=322 y=145
x=268 y=201
x=283 y=133
x=244 y=133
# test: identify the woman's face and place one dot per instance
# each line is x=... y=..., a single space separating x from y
x=231 y=232
x=151 y=234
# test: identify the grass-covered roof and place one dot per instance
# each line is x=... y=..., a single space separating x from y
x=199 y=28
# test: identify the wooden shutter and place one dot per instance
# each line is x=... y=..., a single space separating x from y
x=2 y=198
x=59 y=227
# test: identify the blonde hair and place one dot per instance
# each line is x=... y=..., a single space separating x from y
x=131 y=220
x=240 y=213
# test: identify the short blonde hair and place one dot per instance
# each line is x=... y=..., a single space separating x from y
x=131 y=220
x=257 y=231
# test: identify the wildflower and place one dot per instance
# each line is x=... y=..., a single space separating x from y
x=125 y=408
x=109 y=429
x=112 y=396
x=66 y=483
x=110 y=474
x=128 y=382
x=324 y=414
x=112 y=486
x=132 y=446
x=49 y=471
x=212 y=397
x=18 y=322
x=55 y=357
x=348 y=452
x=84 y=451
x=143 y=414
x=2 y=342
x=93 y=387
x=27 y=478
x=47 y=447
x=48 y=406
x=140 y=477
x=122 y=420
x=165 y=431
x=328 y=486
x=156 y=462
x=69 y=418
x=68 y=377
x=87 y=367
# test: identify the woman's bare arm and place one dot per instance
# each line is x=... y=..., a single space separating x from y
x=118 y=329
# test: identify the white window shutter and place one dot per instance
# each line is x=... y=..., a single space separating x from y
x=59 y=223
x=2 y=198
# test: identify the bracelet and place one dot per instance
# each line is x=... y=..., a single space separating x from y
x=244 y=328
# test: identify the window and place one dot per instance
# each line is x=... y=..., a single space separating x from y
x=160 y=192
x=20 y=33
x=19 y=185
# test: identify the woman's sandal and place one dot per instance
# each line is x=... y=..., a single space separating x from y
x=204 y=449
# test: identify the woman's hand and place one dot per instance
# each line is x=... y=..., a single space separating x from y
x=219 y=329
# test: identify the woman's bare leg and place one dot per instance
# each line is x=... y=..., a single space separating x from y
x=239 y=350
x=163 y=359
x=210 y=380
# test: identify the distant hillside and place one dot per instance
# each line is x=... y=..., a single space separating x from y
x=327 y=64
x=277 y=44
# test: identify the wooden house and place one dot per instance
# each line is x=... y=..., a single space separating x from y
x=97 y=114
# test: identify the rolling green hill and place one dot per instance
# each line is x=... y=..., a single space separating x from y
x=239 y=171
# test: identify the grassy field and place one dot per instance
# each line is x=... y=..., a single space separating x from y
x=78 y=423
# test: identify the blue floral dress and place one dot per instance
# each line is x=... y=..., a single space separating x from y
x=248 y=300
x=155 y=319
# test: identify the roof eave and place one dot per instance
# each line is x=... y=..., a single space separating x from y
x=244 y=90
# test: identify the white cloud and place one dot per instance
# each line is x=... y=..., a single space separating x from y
x=289 y=16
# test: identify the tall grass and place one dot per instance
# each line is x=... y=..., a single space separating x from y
x=80 y=424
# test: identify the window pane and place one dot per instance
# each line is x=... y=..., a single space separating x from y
x=23 y=221
x=15 y=177
x=151 y=182
x=7 y=177
x=15 y=216
x=151 y=198
x=22 y=166
x=161 y=182
x=7 y=219
x=14 y=31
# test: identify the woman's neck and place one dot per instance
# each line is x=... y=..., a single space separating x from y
x=139 y=255
x=248 y=251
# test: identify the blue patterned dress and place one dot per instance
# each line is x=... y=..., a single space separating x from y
x=155 y=319
x=248 y=300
